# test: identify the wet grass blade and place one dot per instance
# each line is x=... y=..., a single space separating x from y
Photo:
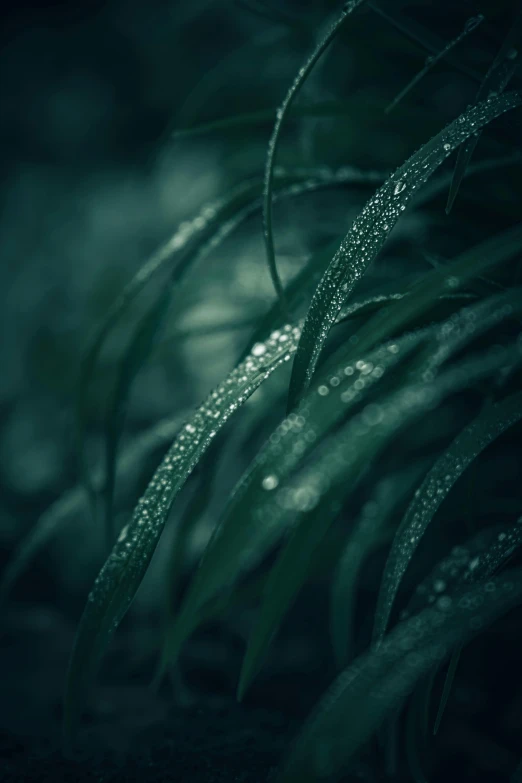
x=178 y=251
x=263 y=506
x=235 y=545
x=289 y=572
x=189 y=245
x=281 y=114
x=495 y=81
x=446 y=471
x=480 y=558
x=394 y=317
x=125 y=567
x=370 y=230
x=470 y=25
x=378 y=682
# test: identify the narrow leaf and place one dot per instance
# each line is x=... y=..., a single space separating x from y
x=446 y=471
x=122 y=573
x=379 y=681
x=369 y=231
x=281 y=113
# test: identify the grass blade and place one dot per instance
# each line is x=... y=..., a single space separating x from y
x=235 y=544
x=264 y=505
x=123 y=571
x=481 y=557
x=369 y=231
x=289 y=572
x=423 y=293
x=495 y=81
x=273 y=144
x=379 y=681
x=446 y=471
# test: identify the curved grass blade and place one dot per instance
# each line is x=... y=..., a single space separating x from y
x=188 y=245
x=235 y=544
x=480 y=558
x=495 y=81
x=123 y=571
x=179 y=248
x=140 y=346
x=369 y=231
x=378 y=682
x=72 y=503
x=446 y=471
x=262 y=507
x=470 y=25
x=289 y=572
x=391 y=319
x=273 y=143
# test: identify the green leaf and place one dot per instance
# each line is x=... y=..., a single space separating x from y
x=369 y=231
x=331 y=477
x=123 y=571
x=446 y=471
x=476 y=561
x=248 y=529
x=266 y=503
x=495 y=81
x=189 y=244
x=281 y=113
x=424 y=292
x=380 y=680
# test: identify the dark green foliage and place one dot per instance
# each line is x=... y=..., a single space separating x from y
x=400 y=380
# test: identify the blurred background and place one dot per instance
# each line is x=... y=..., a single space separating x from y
x=97 y=174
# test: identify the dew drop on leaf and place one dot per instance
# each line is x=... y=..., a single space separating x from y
x=270 y=482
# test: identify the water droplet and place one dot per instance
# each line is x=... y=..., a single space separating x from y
x=447 y=147
x=259 y=349
x=323 y=390
x=399 y=187
x=270 y=482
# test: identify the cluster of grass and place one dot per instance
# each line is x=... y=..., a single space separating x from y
x=367 y=370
